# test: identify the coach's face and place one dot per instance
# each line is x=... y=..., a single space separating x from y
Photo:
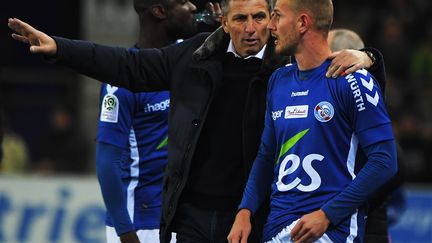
x=246 y=23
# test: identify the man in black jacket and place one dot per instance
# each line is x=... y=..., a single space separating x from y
x=217 y=85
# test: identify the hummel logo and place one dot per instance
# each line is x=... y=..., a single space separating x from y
x=301 y=93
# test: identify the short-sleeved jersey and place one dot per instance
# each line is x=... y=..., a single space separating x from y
x=315 y=127
x=137 y=123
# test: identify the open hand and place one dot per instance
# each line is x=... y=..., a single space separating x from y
x=39 y=42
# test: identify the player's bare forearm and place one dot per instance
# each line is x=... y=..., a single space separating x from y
x=241 y=228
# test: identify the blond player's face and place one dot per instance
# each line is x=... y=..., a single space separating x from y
x=284 y=26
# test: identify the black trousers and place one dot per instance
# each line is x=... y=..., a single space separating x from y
x=197 y=225
x=376 y=225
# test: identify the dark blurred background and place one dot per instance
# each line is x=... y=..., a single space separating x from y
x=50 y=113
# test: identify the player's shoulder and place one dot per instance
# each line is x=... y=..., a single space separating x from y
x=360 y=86
x=361 y=73
x=285 y=69
x=194 y=42
x=115 y=91
x=360 y=77
x=281 y=73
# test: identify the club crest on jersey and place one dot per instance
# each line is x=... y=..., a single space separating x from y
x=109 y=110
x=324 y=111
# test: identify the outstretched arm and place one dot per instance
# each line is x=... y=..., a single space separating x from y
x=147 y=70
x=39 y=42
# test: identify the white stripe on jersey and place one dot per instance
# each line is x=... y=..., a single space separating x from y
x=352 y=155
x=353 y=228
x=134 y=170
x=351 y=165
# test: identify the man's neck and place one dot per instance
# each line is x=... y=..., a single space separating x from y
x=312 y=53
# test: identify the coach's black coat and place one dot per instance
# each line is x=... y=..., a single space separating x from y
x=190 y=71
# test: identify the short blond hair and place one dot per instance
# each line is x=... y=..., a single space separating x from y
x=321 y=12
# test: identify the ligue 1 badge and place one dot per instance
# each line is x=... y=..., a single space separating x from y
x=110 y=108
x=324 y=111
x=109 y=102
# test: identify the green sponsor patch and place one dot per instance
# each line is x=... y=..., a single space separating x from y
x=290 y=143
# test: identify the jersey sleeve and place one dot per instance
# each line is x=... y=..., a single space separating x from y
x=108 y=160
x=366 y=109
x=117 y=108
x=381 y=165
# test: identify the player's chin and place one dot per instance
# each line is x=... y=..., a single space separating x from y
x=278 y=48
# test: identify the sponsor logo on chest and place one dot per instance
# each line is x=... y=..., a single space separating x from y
x=298 y=111
x=300 y=93
x=291 y=112
x=161 y=106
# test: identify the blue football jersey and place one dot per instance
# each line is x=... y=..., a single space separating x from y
x=314 y=128
x=138 y=123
